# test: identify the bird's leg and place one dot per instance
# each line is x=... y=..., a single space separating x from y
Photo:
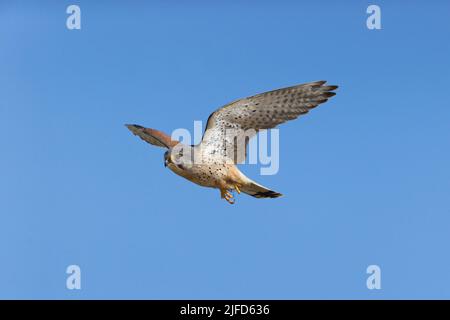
x=236 y=187
x=225 y=194
x=229 y=197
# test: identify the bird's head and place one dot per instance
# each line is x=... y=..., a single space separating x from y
x=179 y=157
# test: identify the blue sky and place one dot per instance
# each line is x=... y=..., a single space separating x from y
x=366 y=176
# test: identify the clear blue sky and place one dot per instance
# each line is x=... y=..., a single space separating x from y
x=366 y=176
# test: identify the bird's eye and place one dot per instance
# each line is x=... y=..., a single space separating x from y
x=180 y=154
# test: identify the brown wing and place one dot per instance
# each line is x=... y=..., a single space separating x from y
x=152 y=136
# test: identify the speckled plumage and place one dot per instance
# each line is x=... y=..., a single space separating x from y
x=212 y=162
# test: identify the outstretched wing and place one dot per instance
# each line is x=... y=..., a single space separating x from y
x=152 y=136
x=247 y=116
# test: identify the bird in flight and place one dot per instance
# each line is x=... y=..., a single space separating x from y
x=212 y=162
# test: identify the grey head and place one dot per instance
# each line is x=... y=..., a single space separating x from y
x=179 y=156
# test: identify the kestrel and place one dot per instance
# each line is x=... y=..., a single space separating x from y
x=212 y=163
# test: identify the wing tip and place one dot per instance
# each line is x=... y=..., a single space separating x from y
x=318 y=83
x=268 y=194
x=134 y=128
x=332 y=87
x=321 y=85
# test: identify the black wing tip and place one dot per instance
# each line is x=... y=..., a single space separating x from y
x=330 y=88
x=267 y=194
x=134 y=128
x=321 y=84
x=318 y=83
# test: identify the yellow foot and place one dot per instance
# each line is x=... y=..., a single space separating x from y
x=225 y=194
x=236 y=187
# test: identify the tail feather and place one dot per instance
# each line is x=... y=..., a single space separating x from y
x=258 y=191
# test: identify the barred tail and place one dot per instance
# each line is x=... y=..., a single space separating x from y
x=258 y=191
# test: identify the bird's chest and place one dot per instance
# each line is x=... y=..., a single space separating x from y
x=207 y=175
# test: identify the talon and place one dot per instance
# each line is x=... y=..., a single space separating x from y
x=225 y=194
x=230 y=200
x=237 y=189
